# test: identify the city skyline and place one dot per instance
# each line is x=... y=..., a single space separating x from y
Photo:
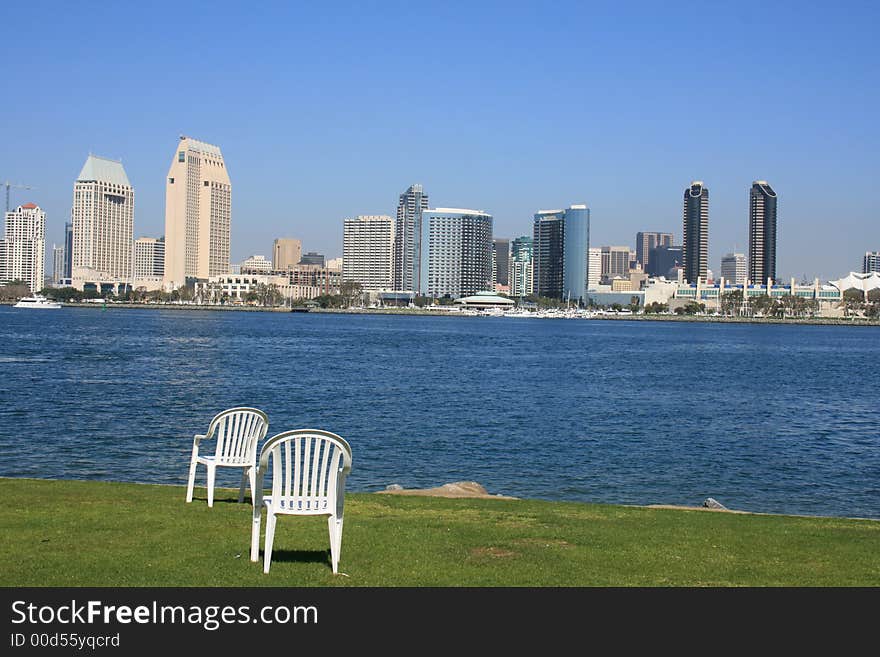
x=300 y=168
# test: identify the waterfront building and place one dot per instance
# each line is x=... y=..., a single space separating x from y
x=68 y=251
x=103 y=220
x=256 y=264
x=695 y=251
x=368 y=251
x=594 y=269
x=297 y=282
x=485 y=301
x=646 y=241
x=57 y=264
x=149 y=257
x=733 y=268
x=501 y=264
x=561 y=252
x=762 y=232
x=312 y=258
x=871 y=262
x=520 y=276
x=456 y=253
x=548 y=258
x=198 y=213
x=310 y=281
x=615 y=261
x=576 y=253
x=286 y=252
x=866 y=283
x=408 y=234
x=24 y=246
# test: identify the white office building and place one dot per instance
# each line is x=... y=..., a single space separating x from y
x=368 y=251
x=22 y=251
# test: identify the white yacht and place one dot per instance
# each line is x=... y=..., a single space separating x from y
x=37 y=301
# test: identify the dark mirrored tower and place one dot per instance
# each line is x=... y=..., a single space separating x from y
x=696 y=232
x=762 y=232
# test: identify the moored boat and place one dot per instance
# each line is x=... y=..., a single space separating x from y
x=37 y=301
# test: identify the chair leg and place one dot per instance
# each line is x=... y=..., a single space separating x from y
x=252 y=474
x=255 y=535
x=241 y=486
x=211 y=472
x=270 y=538
x=192 y=481
x=335 y=526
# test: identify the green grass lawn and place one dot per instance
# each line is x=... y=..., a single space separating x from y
x=80 y=533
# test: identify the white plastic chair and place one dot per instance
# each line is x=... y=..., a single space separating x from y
x=238 y=431
x=309 y=467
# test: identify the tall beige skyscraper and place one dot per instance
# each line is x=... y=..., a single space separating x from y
x=286 y=253
x=103 y=219
x=198 y=213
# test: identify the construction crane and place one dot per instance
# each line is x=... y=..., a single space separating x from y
x=8 y=184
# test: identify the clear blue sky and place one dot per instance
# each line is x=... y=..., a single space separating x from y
x=325 y=113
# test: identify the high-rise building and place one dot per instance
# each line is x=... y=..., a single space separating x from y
x=312 y=258
x=647 y=241
x=57 y=263
x=68 y=250
x=733 y=268
x=520 y=277
x=871 y=262
x=615 y=261
x=762 y=232
x=696 y=232
x=456 y=254
x=198 y=213
x=549 y=253
x=576 y=253
x=595 y=267
x=286 y=253
x=408 y=234
x=149 y=257
x=664 y=259
x=256 y=264
x=501 y=262
x=368 y=251
x=103 y=219
x=24 y=246
x=561 y=253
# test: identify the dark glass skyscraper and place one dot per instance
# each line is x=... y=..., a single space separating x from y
x=67 y=269
x=548 y=253
x=762 y=232
x=407 y=238
x=695 y=249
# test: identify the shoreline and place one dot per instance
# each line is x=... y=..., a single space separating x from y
x=422 y=312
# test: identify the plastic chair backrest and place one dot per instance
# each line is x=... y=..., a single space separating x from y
x=309 y=467
x=238 y=431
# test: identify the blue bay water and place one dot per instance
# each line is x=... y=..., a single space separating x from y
x=775 y=418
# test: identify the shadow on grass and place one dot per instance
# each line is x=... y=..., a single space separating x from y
x=220 y=500
x=301 y=556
